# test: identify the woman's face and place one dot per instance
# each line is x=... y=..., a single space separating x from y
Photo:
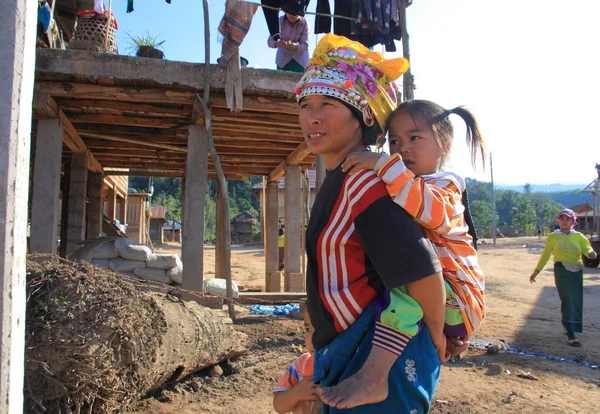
x=328 y=126
x=565 y=222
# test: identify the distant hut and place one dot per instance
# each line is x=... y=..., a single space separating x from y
x=241 y=228
x=157 y=223
x=585 y=216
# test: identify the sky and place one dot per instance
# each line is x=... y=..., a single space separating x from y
x=527 y=70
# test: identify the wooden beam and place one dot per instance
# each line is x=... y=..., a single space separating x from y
x=134 y=173
x=45 y=107
x=134 y=141
x=261 y=104
x=114 y=93
x=299 y=154
x=94 y=106
x=249 y=298
x=126 y=120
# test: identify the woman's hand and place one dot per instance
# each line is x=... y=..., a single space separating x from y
x=456 y=345
x=361 y=160
x=593 y=255
x=533 y=276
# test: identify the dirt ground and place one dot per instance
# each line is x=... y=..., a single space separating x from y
x=525 y=316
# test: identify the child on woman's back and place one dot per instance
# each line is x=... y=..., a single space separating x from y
x=420 y=135
x=296 y=391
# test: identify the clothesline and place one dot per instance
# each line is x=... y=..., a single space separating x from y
x=337 y=16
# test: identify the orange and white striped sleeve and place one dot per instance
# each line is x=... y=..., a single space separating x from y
x=435 y=201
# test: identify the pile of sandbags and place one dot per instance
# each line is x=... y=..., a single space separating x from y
x=138 y=260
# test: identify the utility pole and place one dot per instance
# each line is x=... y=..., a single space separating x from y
x=493 y=202
x=408 y=81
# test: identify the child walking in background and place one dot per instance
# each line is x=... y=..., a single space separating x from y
x=421 y=134
x=296 y=391
x=291 y=43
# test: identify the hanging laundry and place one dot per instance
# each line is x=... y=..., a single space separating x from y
x=235 y=25
x=271 y=12
x=45 y=16
x=377 y=22
x=98 y=6
x=130 y=5
x=341 y=26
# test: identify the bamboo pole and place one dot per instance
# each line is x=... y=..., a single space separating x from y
x=108 y=23
x=408 y=80
x=221 y=180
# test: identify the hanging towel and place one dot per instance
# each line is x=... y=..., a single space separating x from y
x=233 y=27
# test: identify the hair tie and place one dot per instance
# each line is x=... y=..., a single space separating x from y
x=448 y=112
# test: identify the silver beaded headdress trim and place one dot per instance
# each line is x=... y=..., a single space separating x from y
x=328 y=81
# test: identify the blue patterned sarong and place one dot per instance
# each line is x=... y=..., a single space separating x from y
x=413 y=378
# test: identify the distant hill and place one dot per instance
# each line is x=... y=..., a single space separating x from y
x=544 y=188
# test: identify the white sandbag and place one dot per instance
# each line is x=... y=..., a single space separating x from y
x=156 y=275
x=104 y=263
x=105 y=251
x=123 y=265
x=176 y=273
x=219 y=287
x=163 y=261
x=131 y=251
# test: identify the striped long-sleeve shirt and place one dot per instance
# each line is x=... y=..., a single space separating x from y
x=362 y=248
x=435 y=201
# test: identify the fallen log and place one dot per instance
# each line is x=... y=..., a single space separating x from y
x=96 y=341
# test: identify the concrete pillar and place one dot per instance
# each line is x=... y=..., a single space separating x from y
x=46 y=187
x=293 y=278
x=17 y=63
x=272 y=273
x=320 y=169
x=193 y=216
x=222 y=259
x=94 y=212
x=77 y=205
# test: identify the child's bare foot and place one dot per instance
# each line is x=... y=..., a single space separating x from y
x=359 y=389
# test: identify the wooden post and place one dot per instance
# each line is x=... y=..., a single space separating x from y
x=408 y=80
x=493 y=202
x=77 y=204
x=272 y=273
x=94 y=213
x=46 y=186
x=112 y=203
x=192 y=248
x=293 y=279
x=222 y=182
x=123 y=210
x=222 y=265
x=17 y=63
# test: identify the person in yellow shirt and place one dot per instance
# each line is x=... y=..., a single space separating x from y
x=567 y=246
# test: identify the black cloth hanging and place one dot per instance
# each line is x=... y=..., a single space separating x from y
x=296 y=7
x=341 y=27
x=469 y=219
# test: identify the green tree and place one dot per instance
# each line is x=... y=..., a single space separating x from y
x=479 y=190
x=481 y=211
x=506 y=200
x=548 y=213
x=523 y=218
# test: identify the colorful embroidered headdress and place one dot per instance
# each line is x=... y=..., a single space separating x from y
x=349 y=71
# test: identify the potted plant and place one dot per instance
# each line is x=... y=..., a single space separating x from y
x=146 y=46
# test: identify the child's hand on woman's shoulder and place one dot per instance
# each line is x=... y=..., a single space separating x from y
x=360 y=160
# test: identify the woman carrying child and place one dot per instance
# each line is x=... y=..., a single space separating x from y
x=372 y=276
